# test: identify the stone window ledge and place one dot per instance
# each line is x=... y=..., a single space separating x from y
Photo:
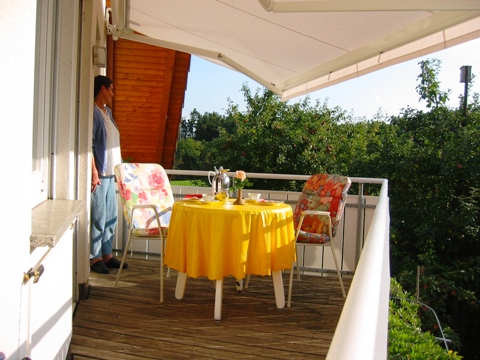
x=51 y=219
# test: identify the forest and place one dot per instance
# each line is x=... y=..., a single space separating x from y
x=431 y=159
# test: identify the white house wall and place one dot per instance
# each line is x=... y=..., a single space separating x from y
x=17 y=44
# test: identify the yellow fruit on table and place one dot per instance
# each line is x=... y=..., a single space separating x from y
x=221 y=196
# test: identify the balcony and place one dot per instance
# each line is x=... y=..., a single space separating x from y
x=320 y=323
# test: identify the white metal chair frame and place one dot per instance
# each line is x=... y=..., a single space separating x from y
x=329 y=244
x=132 y=237
x=147 y=228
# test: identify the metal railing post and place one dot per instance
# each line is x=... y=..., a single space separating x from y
x=360 y=224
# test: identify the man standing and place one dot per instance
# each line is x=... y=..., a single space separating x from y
x=106 y=154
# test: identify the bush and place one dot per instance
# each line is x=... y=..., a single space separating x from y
x=405 y=337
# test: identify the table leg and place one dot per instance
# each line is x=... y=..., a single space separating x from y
x=218 y=300
x=181 y=283
x=278 y=287
x=248 y=281
x=239 y=284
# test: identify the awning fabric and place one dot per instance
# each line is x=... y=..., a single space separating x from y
x=296 y=47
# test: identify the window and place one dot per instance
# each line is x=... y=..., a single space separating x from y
x=43 y=116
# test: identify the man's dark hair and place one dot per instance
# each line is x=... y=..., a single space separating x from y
x=100 y=81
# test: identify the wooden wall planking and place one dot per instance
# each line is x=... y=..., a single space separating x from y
x=149 y=88
x=177 y=91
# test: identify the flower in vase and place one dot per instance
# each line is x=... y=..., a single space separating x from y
x=240 y=178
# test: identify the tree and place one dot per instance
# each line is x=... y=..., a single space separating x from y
x=429 y=87
x=188 y=154
x=204 y=127
x=273 y=136
x=195 y=150
x=435 y=212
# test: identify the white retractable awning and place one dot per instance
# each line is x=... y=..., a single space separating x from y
x=296 y=47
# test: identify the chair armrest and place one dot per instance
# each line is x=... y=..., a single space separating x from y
x=315 y=212
x=164 y=211
x=154 y=208
x=310 y=213
x=151 y=206
x=144 y=206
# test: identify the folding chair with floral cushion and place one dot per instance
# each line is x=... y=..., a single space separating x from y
x=317 y=214
x=147 y=201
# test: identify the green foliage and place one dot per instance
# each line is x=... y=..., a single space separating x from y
x=406 y=340
x=434 y=202
x=204 y=127
x=272 y=136
x=188 y=155
x=429 y=87
x=181 y=183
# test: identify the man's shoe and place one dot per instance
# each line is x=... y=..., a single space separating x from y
x=100 y=267
x=114 y=263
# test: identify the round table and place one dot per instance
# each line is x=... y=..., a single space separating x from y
x=219 y=239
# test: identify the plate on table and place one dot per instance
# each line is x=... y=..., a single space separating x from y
x=193 y=200
x=205 y=202
x=270 y=203
x=192 y=196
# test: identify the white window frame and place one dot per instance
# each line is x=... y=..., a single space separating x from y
x=44 y=98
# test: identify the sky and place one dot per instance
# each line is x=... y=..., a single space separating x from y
x=386 y=91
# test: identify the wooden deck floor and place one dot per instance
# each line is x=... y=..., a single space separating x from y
x=129 y=322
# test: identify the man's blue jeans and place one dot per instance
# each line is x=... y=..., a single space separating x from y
x=103 y=217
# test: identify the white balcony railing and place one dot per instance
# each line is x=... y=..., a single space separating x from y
x=362 y=330
x=362 y=244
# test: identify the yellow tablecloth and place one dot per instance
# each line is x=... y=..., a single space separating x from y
x=223 y=239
